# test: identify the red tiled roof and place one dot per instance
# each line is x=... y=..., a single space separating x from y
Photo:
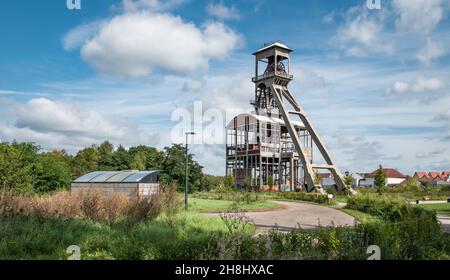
x=389 y=172
x=324 y=175
x=420 y=174
x=440 y=177
x=433 y=174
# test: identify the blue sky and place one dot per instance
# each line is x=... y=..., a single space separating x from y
x=375 y=83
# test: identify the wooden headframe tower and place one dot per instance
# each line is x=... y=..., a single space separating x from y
x=273 y=99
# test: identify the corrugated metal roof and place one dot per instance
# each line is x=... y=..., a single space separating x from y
x=265 y=119
x=127 y=176
x=136 y=177
x=89 y=176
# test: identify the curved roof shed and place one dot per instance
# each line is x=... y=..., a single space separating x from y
x=129 y=176
x=143 y=183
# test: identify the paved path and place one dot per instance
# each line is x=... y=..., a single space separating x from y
x=445 y=222
x=292 y=214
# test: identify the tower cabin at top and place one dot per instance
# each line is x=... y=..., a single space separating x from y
x=274 y=56
x=272 y=66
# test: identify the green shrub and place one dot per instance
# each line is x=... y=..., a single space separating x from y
x=418 y=238
x=239 y=196
x=390 y=209
x=170 y=203
x=142 y=208
x=312 y=197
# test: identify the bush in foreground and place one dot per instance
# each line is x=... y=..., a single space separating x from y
x=91 y=205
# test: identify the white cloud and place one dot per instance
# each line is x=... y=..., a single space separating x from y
x=221 y=11
x=430 y=52
x=132 y=45
x=366 y=32
x=362 y=33
x=227 y=92
x=56 y=125
x=420 y=16
x=212 y=157
x=419 y=85
x=424 y=85
x=153 y=5
x=400 y=87
x=76 y=37
x=44 y=115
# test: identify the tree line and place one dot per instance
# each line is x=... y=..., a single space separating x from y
x=25 y=168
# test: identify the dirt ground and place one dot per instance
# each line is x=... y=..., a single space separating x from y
x=291 y=215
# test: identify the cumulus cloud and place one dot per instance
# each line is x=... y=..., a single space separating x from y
x=431 y=51
x=221 y=11
x=77 y=36
x=363 y=33
x=56 y=124
x=420 y=16
x=133 y=44
x=419 y=85
x=230 y=93
x=44 y=115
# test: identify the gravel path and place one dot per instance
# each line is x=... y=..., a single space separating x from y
x=292 y=214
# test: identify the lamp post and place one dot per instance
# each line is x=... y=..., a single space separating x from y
x=187 y=172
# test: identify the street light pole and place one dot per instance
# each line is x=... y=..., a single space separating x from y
x=187 y=172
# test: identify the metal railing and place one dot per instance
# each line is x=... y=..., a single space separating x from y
x=271 y=74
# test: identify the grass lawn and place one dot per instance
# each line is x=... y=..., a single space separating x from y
x=361 y=217
x=341 y=198
x=441 y=209
x=207 y=205
x=28 y=237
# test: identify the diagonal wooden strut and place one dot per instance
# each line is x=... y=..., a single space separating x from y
x=281 y=92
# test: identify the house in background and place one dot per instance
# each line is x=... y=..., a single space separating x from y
x=357 y=178
x=326 y=180
x=393 y=178
x=433 y=178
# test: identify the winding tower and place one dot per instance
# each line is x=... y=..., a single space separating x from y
x=281 y=145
